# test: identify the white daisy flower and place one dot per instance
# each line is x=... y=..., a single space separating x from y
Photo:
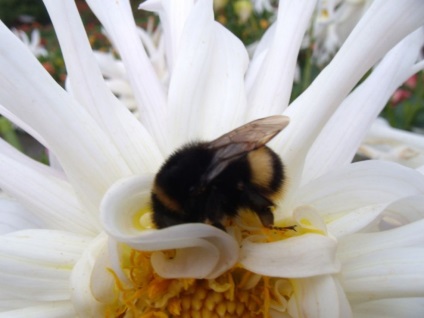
x=357 y=249
x=263 y=5
x=334 y=21
x=114 y=71
x=33 y=43
x=387 y=143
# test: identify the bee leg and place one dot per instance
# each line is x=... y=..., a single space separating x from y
x=266 y=217
x=284 y=228
x=166 y=220
x=219 y=226
x=213 y=210
x=261 y=205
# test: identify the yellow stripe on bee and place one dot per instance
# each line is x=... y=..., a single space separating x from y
x=261 y=167
x=165 y=199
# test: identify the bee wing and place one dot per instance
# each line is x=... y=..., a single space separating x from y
x=253 y=135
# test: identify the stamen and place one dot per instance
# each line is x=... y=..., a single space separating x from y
x=230 y=295
x=236 y=293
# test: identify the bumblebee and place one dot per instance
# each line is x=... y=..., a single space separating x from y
x=209 y=182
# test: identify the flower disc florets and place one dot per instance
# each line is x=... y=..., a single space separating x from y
x=236 y=293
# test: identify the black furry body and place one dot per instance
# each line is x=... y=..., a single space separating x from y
x=181 y=194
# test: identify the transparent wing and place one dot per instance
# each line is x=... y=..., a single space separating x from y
x=231 y=146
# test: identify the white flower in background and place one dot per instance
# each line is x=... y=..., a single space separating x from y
x=334 y=20
x=243 y=9
x=358 y=245
x=33 y=44
x=114 y=72
x=388 y=143
x=115 y=76
x=258 y=5
x=263 y=5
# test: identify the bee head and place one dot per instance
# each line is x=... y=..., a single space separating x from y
x=181 y=175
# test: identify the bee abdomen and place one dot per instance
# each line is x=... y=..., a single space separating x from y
x=266 y=170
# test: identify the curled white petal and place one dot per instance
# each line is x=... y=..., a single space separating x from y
x=300 y=256
x=355 y=245
x=405 y=211
x=308 y=218
x=202 y=251
x=81 y=280
x=384 y=142
x=320 y=297
x=358 y=185
x=102 y=283
x=356 y=220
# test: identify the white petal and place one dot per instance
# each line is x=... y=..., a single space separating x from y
x=33 y=96
x=189 y=251
x=102 y=283
x=341 y=137
x=405 y=211
x=224 y=101
x=308 y=218
x=356 y=220
x=384 y=142
x=173 y=17
x=270 y=90
x=320 y=297
x=383 y=25
x=117 y=18
x=259 y=56
x=352 y=246
x=387 y=273
x=130 y=138
x=203 y=251
x=80 y=282
x=206 y=93
x=390 y=308
x=359 y=185
x=35 y=264
x=57 y=309
x=110 y=66
x=9 y=302
x=13 y=217
x=21 y=124
x=300 y=256
x=44 y=192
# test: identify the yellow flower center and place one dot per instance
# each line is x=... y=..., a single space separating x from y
x=236 y=293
